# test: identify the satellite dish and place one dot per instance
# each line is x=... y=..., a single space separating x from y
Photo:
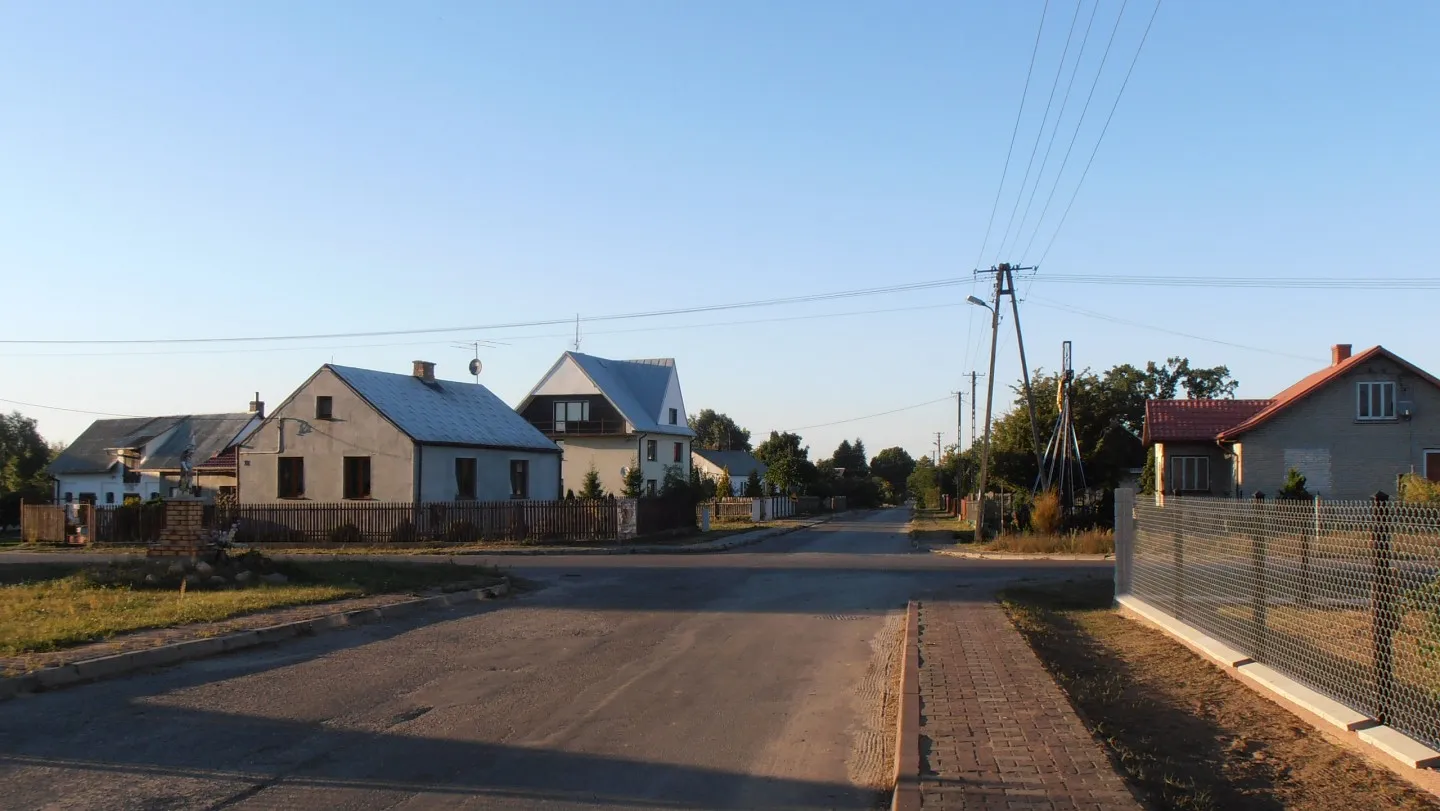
x=475 y=367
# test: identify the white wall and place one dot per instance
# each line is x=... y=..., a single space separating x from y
x=568 y=378
x=664 y=456
x=673 y=399
x=492 y=468
x=607 y=454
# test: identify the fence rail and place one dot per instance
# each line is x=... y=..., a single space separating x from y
x=1343 y=596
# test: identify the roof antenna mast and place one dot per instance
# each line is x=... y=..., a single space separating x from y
x=577 y=332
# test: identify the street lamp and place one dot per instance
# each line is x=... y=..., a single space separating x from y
x=978 y=302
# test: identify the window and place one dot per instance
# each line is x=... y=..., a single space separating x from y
x=571 y=411
x=69 y=498
x=357 y=477
x=1432 y=465
x=465 y=477
x=651 y=450
x=674 y=416
x=519 y=478
x=110 y=497
x=1189 y=474
x=679 y=450
x=650 y=487
x=1375 y=400
x=290 y=477
x=87 y=498
x=324 y=408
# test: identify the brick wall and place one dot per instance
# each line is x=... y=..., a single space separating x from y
x=184 y=529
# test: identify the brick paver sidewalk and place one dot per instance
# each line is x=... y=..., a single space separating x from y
x=995 y=730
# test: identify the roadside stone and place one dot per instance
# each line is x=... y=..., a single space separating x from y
x=192 y=579
x=274 y=578
x=217 y=580
x=204 y=569
x=151 y=579
x=244 y=577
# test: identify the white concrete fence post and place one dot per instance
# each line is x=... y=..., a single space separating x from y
x=1124 y=539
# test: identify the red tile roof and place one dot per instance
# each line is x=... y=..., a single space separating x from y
x=222 y=462
x=1300 y=390
x=1196 y=420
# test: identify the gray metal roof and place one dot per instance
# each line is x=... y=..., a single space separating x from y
x=91 y=451
x=739 y=463
x=636 y=387
x=446 y=411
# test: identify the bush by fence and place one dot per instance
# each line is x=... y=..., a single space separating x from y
x=1343 y=596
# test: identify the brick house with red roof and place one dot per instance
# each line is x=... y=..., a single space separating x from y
x=1351 y=428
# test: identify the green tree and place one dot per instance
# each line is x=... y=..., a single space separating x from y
x=723 y=487
x=788 y=462
x=1294 y=487
x=24 y=456
x=590 y=486
x=921 y=484
x=717 y=432
x=753 y=488
x=634 y=480
x=851 y=459
x=894 y=465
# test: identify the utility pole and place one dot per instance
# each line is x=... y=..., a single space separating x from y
x=989 y=404
x=1025 y=375
x=939 y=479
x=959 y=425
x=973 y=400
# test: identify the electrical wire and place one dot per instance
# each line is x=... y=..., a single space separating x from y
x=1270 y=282
x=74 y=410
x=1103 y=130
x=1056 y=305
x=1065 y=161
x=994 y=207
x=1054 y=131
x=1039 y=134
x=946 y=399
x=806 y=299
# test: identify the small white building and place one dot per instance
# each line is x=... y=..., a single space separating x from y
x=713 y=465
x=350 y=434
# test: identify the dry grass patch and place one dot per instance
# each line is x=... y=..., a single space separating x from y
x=1190 y=737
x=1087 y=542
x=936 y=526
x=48 y=606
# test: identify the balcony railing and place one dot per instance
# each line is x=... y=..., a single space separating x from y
x=561 y=428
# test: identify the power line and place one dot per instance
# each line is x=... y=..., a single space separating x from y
x=944 y=399
x=1039 y=133
x=1055 y=305
x=1270 y=282
x=1080 y=122
x=1103 y=130
x=806 y=299
x=1054 y=131
x=72 y=410
x=1013 y=132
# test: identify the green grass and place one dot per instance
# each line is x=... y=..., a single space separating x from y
x=49 y=606
x=936 y=526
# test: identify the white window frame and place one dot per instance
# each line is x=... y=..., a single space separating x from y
x=1186 y=470
x=1367 y=393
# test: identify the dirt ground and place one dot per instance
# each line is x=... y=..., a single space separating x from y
x=1190 y=737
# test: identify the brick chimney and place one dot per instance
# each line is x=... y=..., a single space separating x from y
x=1339 y=353
x=257 y=406
x=425 y=370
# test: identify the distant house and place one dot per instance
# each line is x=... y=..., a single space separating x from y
x=713 y=464
x=611 y=415
x=1351 y=429
x=136 y=458
x=350 y=434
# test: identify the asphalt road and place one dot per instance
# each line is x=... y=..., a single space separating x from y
x=751 y=679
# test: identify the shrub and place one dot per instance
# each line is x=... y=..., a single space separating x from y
x=346 y=534
x=1046 y=514
x=590 y=486
x=403 y=533
x=461 y=532
x=1415 y=488
x=1294 y=486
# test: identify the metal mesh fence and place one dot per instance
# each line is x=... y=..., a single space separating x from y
x=1342 y=596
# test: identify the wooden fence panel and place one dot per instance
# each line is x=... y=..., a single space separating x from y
x=453 y=522
x=42 y=522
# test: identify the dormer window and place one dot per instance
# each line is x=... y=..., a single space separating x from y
x=674 y=416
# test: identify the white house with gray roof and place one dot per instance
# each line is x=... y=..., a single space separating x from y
x=117 y=460
x=612 y=415
x=351 y=434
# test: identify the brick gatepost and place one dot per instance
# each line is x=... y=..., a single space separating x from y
x=184 y=529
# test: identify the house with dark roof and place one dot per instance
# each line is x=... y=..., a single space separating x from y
x=350 y=434
x=116 y=460
x=714 y=464
x=612 y=415
x=1351 y=429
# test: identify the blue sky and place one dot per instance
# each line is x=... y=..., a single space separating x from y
x=196 y=170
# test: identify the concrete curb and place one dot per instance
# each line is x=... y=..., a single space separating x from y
x=120 y=664
x=1019 y=555
x=907 y=719
x=1286 y=691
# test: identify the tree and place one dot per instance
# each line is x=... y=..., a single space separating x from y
x=717 y=432
x=851 y=459
x=1294 y=488
x=921 y=484
x=893 y=465
x=634 y=480
x=23 y=456
x=590 y=485
x=788 y=462
x=723 y=488
x=753 y=488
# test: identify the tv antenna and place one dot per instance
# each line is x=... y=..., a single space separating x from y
x=475 y=365
x=576 y=345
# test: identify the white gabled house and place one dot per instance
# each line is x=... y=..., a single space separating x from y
x=611 y=415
